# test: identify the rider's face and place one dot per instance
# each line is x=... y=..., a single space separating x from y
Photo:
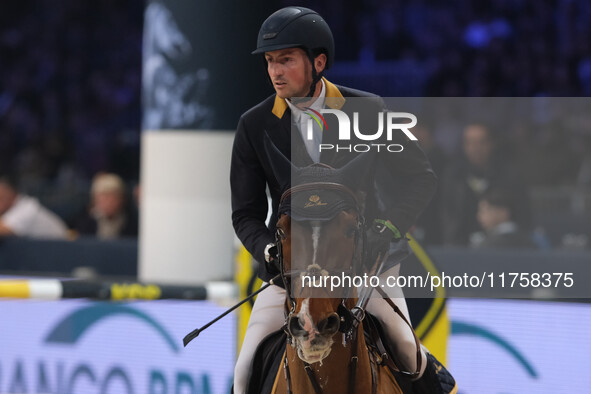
x=290 y=72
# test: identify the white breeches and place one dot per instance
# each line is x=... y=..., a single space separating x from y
x=268 y=316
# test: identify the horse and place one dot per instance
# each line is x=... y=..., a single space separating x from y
x=332 y=346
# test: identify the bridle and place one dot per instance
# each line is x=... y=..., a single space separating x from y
x=346 y=317
x=348 y=320
x=280 y=235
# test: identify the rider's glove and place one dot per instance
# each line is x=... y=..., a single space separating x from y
x=271 y=260
x=378 y=238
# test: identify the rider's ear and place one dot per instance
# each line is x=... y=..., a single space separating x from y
x=356 y=171
x=282 y=168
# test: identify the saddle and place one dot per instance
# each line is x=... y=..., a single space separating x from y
x=267 y=360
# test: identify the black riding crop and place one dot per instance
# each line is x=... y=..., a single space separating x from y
x=195 y=333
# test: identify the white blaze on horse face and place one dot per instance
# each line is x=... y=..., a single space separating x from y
x=312 y=347
x=304 y=316
x=306 y=351
x=315 y=239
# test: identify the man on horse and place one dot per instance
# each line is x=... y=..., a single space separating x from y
x=298 y=47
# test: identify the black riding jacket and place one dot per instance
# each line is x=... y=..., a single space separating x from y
x=405 y=179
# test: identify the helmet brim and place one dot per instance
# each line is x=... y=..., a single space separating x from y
x=276 y=47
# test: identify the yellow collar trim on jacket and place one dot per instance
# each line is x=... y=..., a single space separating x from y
x=334 y=99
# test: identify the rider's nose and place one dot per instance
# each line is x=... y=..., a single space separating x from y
x=274 y=70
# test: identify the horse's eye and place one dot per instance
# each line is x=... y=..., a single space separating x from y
x=281 y=233
x=350 y=232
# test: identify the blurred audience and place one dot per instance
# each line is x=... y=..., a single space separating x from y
x=584 y=173
x=495 y=215
x=24 y=216
x=70 y=89
x=427 y=228
x=110 y=215
x=70 y=79
x=498 y=48
x=549 y=160
x=476 y=170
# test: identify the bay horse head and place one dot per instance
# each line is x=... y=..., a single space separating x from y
x=319 y=248
x=319 y=235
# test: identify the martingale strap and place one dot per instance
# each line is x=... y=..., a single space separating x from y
x=374 y=374
x=312 y=378
x=287 y=374
x=353 y=367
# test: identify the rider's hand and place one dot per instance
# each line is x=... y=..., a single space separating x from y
x=271 y=260
x=378 y=238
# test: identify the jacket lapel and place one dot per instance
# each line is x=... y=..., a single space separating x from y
x=334 y=100
x=297 y=151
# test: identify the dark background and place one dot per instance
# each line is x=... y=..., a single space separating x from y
x=70 y=80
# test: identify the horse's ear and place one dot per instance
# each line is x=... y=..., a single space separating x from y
x=282 y=168
x=357 y=169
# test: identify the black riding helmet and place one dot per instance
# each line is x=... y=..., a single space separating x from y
x=297 y=27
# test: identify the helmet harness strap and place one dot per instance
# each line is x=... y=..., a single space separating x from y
x=315 y=76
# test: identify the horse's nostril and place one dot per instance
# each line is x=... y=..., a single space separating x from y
x=330 y=325
x=295 y=327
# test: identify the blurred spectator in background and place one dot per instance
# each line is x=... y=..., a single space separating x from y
x=495 y=215
x=427 y=228
x=70 y=76
x=109 y=216
x=584 y=172
x=549 y=160
x=22 y=215
x=479 y=168
x=70 y=80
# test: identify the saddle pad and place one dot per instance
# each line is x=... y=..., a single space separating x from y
x=266 y=363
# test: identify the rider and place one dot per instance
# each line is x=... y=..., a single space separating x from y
x=298 y=47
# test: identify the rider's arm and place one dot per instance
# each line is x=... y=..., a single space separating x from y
x=249 y=198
